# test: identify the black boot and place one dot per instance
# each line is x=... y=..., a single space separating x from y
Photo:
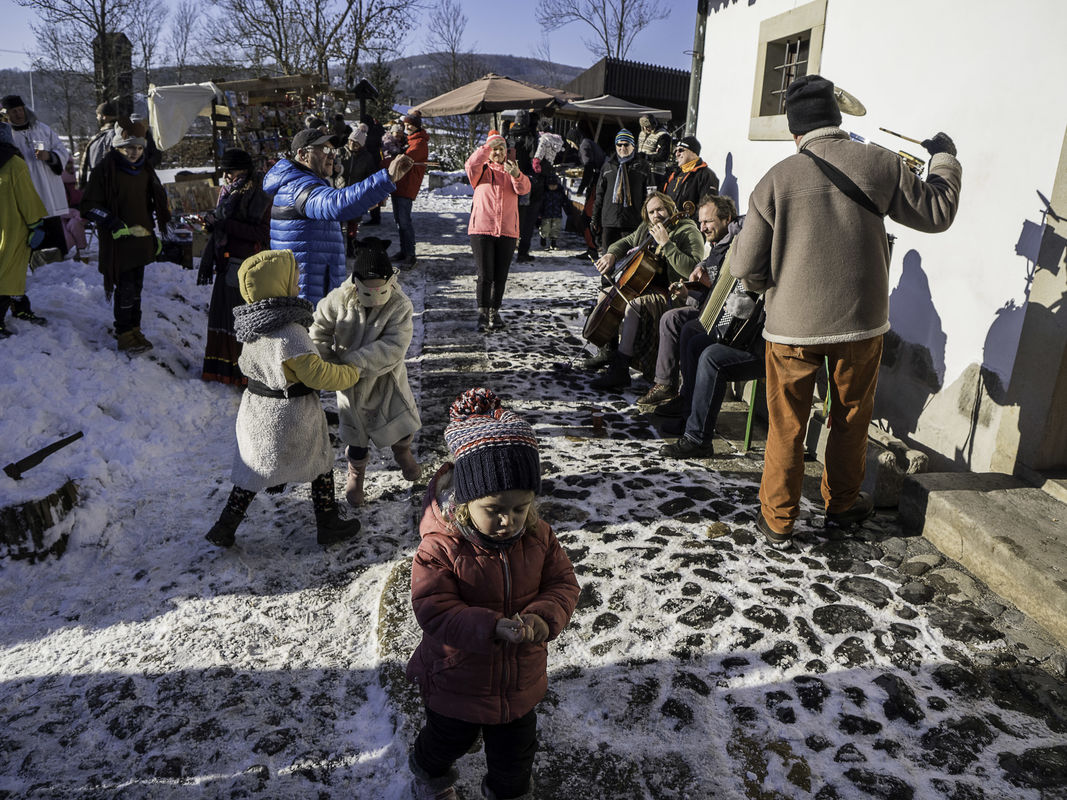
x=617 y=375
x=333 y=528
x=224 y=532
x=603 y=357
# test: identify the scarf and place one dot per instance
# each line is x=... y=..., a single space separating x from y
x=620 y=195
x=265 y=316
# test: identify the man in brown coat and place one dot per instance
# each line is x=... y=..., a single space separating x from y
x=822 y=259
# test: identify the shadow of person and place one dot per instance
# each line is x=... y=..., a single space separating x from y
x=913 y=357
x=729 y=187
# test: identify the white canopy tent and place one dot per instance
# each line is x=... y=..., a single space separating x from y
x=172 y=109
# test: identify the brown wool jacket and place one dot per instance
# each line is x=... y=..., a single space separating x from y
x=459 y=589
x=821 y=258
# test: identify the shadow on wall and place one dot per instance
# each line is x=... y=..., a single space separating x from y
x=729 y=187
x=913 y=357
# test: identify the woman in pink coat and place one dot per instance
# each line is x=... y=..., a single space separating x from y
x=494 y=225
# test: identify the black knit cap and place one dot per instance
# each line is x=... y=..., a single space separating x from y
x=11 y=101
x=689 y=143
x=370 y=260
x=234 y=158
x=494 y=449
x=810 y=104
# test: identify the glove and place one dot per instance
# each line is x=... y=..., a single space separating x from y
x=36 y=236
x=535 y=629
x=105 y=220
x=122 y=231
x=209 y=221
x=940 y=143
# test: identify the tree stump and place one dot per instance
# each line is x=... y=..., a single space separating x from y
x=22 y=526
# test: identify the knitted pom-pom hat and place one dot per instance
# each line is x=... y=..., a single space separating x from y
x=494 y=138
x=494 y=449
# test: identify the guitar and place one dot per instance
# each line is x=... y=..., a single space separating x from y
x=631 y=277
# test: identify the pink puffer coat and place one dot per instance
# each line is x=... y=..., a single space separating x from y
x=496 y=196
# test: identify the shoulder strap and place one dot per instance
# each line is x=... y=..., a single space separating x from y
x=844 y=183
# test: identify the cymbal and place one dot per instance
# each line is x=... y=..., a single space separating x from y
x=848 y=103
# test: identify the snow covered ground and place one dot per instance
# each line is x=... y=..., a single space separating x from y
x=145 y=663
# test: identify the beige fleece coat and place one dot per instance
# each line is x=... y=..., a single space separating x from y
x=821 y=258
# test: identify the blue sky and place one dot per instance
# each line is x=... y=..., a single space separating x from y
x=494 y=26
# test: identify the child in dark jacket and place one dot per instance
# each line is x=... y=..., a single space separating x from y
x=551 y=210
x=123 y=196
x=490 y=585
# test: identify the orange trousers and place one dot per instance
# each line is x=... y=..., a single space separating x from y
x=791 y=373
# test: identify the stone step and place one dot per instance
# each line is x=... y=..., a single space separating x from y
x=1006 y=532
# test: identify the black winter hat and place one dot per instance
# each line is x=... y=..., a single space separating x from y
x=234 y=158
x=370 y=259
x=810 y=104
x=495 y=450
x=11 y=101
x=689 y=143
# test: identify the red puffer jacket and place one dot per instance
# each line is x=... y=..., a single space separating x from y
x=459 y=591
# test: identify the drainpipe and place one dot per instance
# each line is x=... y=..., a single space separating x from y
x=698 y=66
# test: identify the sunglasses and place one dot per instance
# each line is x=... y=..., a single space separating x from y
x=326 y=149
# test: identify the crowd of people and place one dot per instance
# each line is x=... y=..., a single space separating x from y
x=691 y=295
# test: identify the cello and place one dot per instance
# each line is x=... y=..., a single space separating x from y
x=631 y=277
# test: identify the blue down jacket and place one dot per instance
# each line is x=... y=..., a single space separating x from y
x=306 y=219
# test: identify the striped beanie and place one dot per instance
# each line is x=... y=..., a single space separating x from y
x=625 y=137
x=494 y=139
x=494 y=449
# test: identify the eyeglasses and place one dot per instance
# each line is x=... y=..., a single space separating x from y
x=326 y=150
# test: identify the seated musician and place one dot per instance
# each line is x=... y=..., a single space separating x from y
x=675 y=250
x=717 y=218
x=735 y=354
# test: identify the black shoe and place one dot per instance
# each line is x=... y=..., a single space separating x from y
x=673 y=408
x=687 y=448
x=29 y=316
x=495 y=322
x=372 y=222
x=860 y=510
x=224 y=532
x=398 y=258
x=777 y=541
x=333 y=528
x=524 y=258
x=483 y=321
x=616 y=376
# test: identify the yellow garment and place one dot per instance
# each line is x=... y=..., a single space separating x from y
x=310 y=370
x=269 y=273
x=20 y=207
x=689 y=166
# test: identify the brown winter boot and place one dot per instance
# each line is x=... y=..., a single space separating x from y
x=354 y=482
x=409 y=467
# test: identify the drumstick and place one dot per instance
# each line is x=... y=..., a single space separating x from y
x=901 y=135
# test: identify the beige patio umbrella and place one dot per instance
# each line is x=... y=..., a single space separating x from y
x=489 y=94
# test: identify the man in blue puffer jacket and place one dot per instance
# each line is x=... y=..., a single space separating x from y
x=308 y=211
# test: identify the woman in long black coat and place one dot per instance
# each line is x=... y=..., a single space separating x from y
x=240 y=227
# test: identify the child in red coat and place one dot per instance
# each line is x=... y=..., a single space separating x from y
x=490 y=585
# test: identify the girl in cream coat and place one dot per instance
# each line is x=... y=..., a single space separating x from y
x=367 y=323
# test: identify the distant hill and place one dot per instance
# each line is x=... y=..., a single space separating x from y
x=412 y=73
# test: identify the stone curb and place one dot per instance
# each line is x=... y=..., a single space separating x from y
x=1009 y=534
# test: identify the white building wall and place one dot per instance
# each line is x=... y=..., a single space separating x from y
x=988 y=74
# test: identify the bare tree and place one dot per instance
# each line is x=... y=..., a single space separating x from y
x=64 y=81
x=454 y=65
x=551 y=75
x=143 y=31
x=184 y=25
x=85 y=21
x=615 y=23
x=374 y=29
